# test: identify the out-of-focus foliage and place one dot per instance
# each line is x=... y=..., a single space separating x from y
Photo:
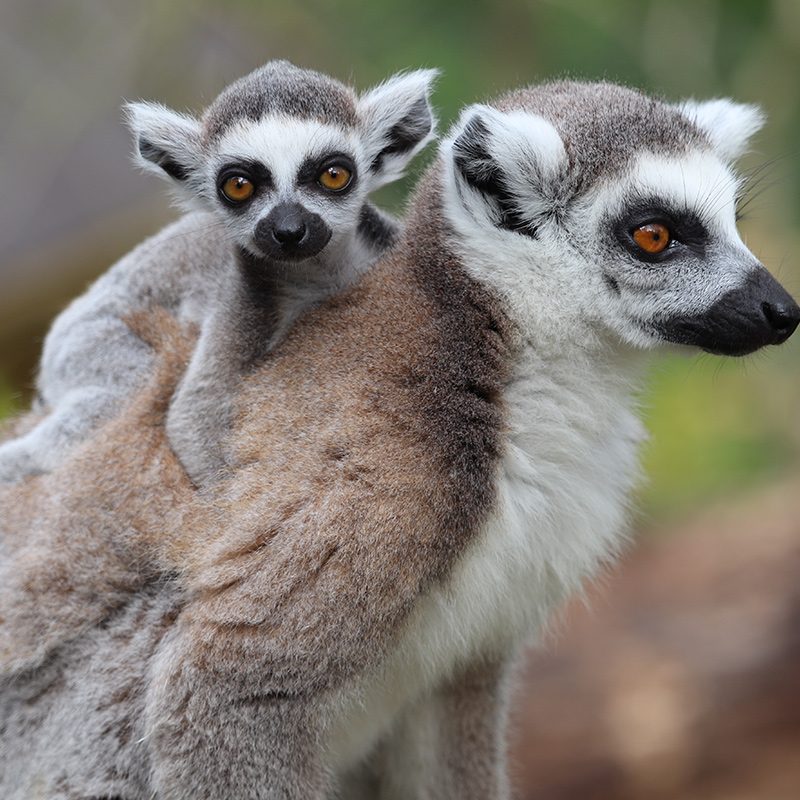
x=66 y=65
x=8 y=398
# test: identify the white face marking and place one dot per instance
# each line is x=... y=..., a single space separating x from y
x=284 y=145
x=698 y=182
x=699 y=185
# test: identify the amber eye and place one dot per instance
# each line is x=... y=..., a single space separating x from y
x=237 y=189
x=335 y=178
x=652 y=238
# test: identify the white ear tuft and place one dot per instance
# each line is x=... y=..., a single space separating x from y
x=397 y=122
x=527 y=141
x=514 y=160
x=728 y=125
x=167 y=143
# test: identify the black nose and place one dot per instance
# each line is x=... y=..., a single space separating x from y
x=757 y=313
x=783 y=315
x=290 y=230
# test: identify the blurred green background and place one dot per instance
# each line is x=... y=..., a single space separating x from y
x=72 y=202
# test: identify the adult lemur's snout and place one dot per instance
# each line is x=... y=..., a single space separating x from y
x=291 y=233
x=755 y=314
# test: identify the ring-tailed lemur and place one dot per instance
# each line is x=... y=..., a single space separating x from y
x=278 y=171
x=440 y=488
x=432 y=463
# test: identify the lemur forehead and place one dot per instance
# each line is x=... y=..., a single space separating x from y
x=281 y=142
x=281 y=88
x=604 y=125
x=698 y=182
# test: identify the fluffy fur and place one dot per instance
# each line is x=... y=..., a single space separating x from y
x=423 y=469
x=262 y=294
x=279 y=116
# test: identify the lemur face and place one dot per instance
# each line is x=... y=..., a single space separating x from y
x=674 y=267
x=617 y=213
x=286 y=157
x=286 y=185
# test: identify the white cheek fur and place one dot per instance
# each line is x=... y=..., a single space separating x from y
x=702 y=184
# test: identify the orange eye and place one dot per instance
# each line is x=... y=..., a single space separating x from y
x=237 y=189
x=335 y=178
x=652 y=238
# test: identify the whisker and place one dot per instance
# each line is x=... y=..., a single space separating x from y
x=740 y=209
x=758 y=180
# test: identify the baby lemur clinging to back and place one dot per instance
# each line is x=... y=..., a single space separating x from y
x=276 y=175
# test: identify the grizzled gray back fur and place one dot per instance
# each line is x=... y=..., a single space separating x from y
x=104 y=673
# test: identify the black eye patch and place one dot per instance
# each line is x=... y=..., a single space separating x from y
x=252 y=170
x=686 y=231
x=312 y=167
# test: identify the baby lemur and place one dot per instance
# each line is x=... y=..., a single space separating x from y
x=425 y=467
x=276 y=173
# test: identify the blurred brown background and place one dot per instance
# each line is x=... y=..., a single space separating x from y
x=683 y=680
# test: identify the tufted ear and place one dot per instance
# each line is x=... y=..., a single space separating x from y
x=512 y=160
x=397 y=121
x=167 y=143
x=728 y=125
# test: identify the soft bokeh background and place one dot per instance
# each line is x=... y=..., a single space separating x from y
x=725 y=455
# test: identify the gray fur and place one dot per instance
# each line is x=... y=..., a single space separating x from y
x=281 y=88
x=103 y=674
x=91 y=360
x=244 y=325
x=623 y=121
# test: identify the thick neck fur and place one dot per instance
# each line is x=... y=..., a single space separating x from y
x=279 y=292
x=563 y=339
x=571 y=435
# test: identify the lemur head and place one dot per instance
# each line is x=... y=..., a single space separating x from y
x=598 y=209
x=286 y=155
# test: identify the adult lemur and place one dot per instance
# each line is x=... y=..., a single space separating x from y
x=278 y=170
x=424 y=468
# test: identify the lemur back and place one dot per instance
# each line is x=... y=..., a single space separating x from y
x=279 y=115
x=91 y=361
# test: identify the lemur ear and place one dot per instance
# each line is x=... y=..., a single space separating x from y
x=397 y=122
x=728 y=125
x=167 y=143
x=513 y=161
